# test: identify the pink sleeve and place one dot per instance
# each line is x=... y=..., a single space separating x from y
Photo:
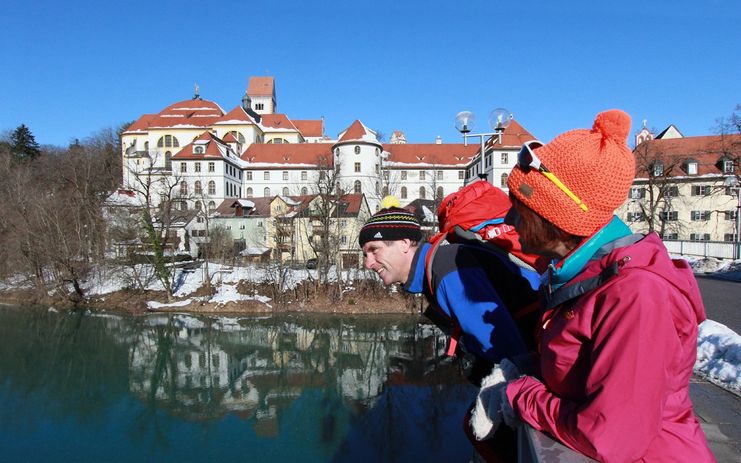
x=633 y=341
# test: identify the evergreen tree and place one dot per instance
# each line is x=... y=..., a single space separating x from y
x=23 y=144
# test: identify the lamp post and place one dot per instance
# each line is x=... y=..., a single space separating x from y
x=733 y=184
x=498 y=120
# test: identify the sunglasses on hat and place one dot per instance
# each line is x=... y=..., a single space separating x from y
x=526 y=160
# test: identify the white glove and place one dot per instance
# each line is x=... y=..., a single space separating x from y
x=492 y=406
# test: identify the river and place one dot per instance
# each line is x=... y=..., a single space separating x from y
x=93 y=387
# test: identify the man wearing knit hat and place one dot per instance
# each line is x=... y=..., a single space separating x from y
x=619 y=324
x=472 y=287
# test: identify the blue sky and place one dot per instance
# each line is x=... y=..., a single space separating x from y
x=72 y=68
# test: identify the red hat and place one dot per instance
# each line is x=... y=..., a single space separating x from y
x=596 y=165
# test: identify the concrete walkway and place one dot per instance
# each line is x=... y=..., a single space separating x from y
x=719 y=412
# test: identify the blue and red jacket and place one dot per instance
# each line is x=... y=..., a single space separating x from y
x=477 y=289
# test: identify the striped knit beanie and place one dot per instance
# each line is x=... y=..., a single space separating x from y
x=596 y=165
x=390 y=224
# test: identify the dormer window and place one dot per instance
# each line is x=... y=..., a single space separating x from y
x=691 y=167
x=728 y=165
x=658 y=169
x=198 y=150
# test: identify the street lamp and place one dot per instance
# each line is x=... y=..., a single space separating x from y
x=465 y=121
x=733 y=184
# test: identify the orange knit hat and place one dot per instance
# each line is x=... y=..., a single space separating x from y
x=596 y=165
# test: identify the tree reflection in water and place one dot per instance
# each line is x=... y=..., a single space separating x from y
x=308 y=388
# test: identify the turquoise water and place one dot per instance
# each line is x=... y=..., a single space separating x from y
x=87 y=388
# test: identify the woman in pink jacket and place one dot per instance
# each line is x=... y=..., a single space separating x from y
x=619 y=330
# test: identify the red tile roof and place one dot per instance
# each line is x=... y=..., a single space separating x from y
x=707 y=151
x=212 y=150
x=195 y=113
x=261 y=209
x=289 y=153
x=351 y=204
x=236 y=114
x=261 y=86
x=277 y=121
x=431 y=153
x=230 y=138
x=356 y=131
x=514 y=136
x=310 y=128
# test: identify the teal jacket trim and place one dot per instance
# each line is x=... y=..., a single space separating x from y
x=561 y=272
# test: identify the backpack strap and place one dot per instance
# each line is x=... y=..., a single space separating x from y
x=455 y=335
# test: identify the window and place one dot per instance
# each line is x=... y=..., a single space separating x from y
x=357 y=167
x=304 y=191
x=248 y=175
x=487 y=159
x=504 y=180
x=671 y=191
x=336 y=151
x=727 y=166
x=421 y=174
x=729 y=237
x=440 y=193
x=211 y=166
x=285 y=191
x=637 y=192
x=211 y=207
x=266 y=192
x=403 y=192
x=322 y=175
x=343 y=239
x=378 y=169
x=669 y=216
x=461 y=174
x=238 y=136
x=356 y=187
x=692 y=168
x=183 y=188
x=343 y=223
x=385 y=175
x=183 y=167
x=304 y=175
x=635 y=216
x=285 y=175
x=266 y=175
x=700 y=237
x=197 y=166
x=378 y=188
x=730 y=215
x=505 y=158
x=357 y=150
x=197 y=187
x=403 y=175
x=669 y=236
x=248 y=193
x=439 y=174
x=385 y=191
x=211 y=187
x=198 y=205
x=422 y=194
x=168 y=141
x=168 y=161
x=698 y=216
x=198 y=149
x=701 y=190
x=259 y=106
x=658 y=169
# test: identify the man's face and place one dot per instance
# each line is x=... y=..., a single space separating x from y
x=391 y=260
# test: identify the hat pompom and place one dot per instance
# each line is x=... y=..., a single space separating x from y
x=613 y=124
x=389 y=202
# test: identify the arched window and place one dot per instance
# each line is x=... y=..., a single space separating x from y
x=211 y=187
x=357 y=149
x=356 y=187
x=168 y=160
x=378 y=189
x=385 y=191
x=167 y=141
x=198 y=205
x=440 y=193
x=266 y=193
x=238 y=136
x=211 y=206
x=183 y=188
x=278 y=141
x=249 y=192
x=197 y=187
x=304 y=191
x=146 y=146
x=422 y=194
x=403 y=192
x=183 y=205
x=285 y=191
x=198 y=149
x=504 y=180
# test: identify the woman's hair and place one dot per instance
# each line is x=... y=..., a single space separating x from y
x=541 y=230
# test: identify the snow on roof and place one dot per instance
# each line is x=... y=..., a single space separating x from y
x=254 y=251
x=122 y=198
x=430 y=154
x=293 y=154
x=245 y=203
x=358 y=132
